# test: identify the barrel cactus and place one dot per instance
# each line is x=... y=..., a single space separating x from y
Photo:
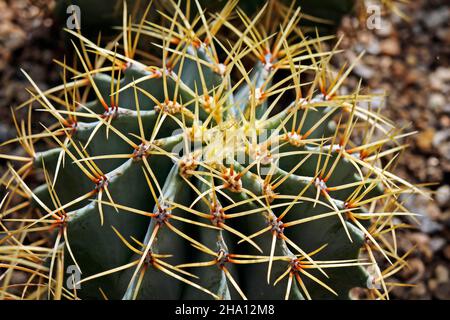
x=197 y=176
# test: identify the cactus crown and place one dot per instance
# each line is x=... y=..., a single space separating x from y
x=228 y=166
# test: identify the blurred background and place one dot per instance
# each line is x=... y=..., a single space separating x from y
x=407 y=58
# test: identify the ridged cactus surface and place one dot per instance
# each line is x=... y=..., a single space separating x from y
x=217 y=170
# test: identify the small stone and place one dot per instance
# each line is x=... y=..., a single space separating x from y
x=442 y=292
x=443 y=196
x=441 y=273
x=385 y=62
x=439 y=78
x=446 y=252
x=433 y=162
x=433 y=284
x=390 y=47
x=424 y=139
x=436 y=244
x=399 y=69
x=445 y=217
x=446 y=108
x=413 y=77
x=415 y=272
x=419 y=290
x=427 y=211
x=436 y=18
x=373 y=47
x=429 y=226
x=436 y=101
x=444 y=34
x=444 y=121
x=444 y=150
x=440 y=137
x=433 y=211
x=364 y=71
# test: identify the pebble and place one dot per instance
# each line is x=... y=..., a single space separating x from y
x=444 y=34
x=427 y=211
x=364 y=71
x=440 y=137
x=444 y=150
x=437 y=244
x=443 y=196
x=398 y=69
x=442 y=292
x=419 y=290
x=433 y=211
x=433 y=284
x=439 y=79
x=436 y=18
x=373 y=47
x=422 y=240
x=441 y=273
x=429 y=226
x=413 y=67
x=446 y=252
x=390 y=47
x=424 y=139
x=436 y=101
x=445 y=121
x=415 y=271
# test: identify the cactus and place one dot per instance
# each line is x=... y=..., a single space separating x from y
x=203 y=177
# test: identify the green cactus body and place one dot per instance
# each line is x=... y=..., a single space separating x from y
x=184 y=183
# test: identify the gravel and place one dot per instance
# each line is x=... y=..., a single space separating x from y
x=410 y=61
